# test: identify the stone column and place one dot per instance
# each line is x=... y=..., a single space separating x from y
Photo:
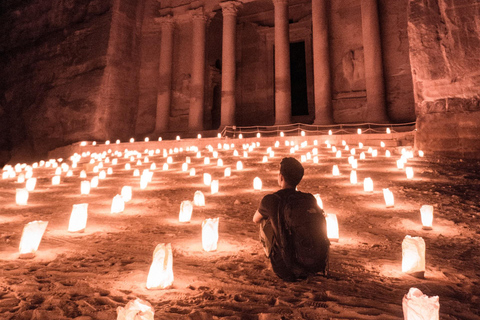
x=321 y=63
x=197 y=86
x=372 y=49
x=164 y=93
x=229 y=10
x=283 y=97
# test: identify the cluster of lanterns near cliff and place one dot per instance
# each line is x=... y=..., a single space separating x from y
x=161 y=269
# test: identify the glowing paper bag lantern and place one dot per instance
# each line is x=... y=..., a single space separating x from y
x=338 y=154
x=210 y=234
x=144 y=181
x=199 y=199
x=118 y=204
x=332 y=227
x=362 y=155
x=335 y=170
x=353 y=177
x=319 y=200
x=387 y=154
x=153 y=166
x=374 y=152
x=31 y=183
x=136 y=173
x=388 y=196
x=102 y=174
x=417 y=306
x=219 y=163
x=368 y=185
x=400 y=164
x=21 y=197
x=127 y=166
x=413 y=255
x=126 y=193
x=186 y=209
x=207 y=179
x=192 y=172
x=228 y=172
x=409 y=172
x=78 y=218
x=421 y=153
x=85 y=187
x=55 y=180
x=94 y=182
x=214 y=187
x=21 y=178
x=160 y=275
x=31 y=237
x=265 y=159
x=427 y=217
x=239 y=165
x=257 y=183
x=165 y=167
x=137 y=309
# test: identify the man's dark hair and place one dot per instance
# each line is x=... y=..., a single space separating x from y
x=291 y=170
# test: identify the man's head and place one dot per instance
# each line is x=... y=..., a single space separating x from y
x=292 y=171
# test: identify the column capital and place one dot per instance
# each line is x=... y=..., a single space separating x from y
x=230 y=8
x=167 y=20
x=280 y=2
x=198 y=14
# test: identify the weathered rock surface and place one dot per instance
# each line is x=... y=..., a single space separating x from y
x=444 y=39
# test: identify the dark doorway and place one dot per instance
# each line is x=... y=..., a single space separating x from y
x=298 y=77
x=216 y=107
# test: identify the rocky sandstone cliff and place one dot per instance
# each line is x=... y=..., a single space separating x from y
x=444 y=39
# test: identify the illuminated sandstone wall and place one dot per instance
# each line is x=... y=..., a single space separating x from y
x=444 y=41
x=68 y=73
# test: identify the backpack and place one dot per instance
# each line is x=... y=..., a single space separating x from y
x=303 y=234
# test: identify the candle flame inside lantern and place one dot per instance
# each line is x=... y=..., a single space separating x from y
x=214 y=187
x=199 y=199
x=319 y=200
x=413 y=255
x=210 y=234
x=21 y=197
x=186 y=209
x=335 y=170
x=332 y=227
x=78 y=218
x=409 y=172
x=160 y=275
x=426 y=212
x=353 y=177
x=85 y=187
x=118 y=204
x=126 y=193
x=31 y=237
x=257 y=183
x=31 y=183
x=388 y=196
x=368 y=185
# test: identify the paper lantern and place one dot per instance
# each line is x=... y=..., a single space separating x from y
x=21 y=178
x=319 y=200
x=160 y=275
x=165 y=167
x=382 y=144
x=330 y=132
x=207 y=179
x=126 y=193
x=417 y=306
x=332 y=227
x=353 y=177
x=78 y=218
x=144 y=179
x=58 y=171
x=426 y=212
x=338 y=154
x=335 y=170
x=374 y=152
x=413 y=255
x=388 y=196
x=362 y=155
x=352 y=151
x=192 y=172
x=388 y=130
x=409 y=172
x=368 y=185
x=30 y=184
x=31 y=237
x=387 y=154
x=169 y=160
x=421 y=153
x=94 y=182
x=6 y=175
x=354 y=164
x=184 y=167
x=69 y=173
x=360 y=145
x=302 y=133
x=136 y=173
x=118 y=204
x=199 y=199
x=257 y=183
x=227 y=172
x=153 y=166
x=206 y=160
x=95 y=169
x=102 y=174
x=210 y=234
x=315 y=159
x=359 y=131
x=186 y=209
x=55 y=180
x=127 y=166
x=239 y=165
x=219 y=163
x=214 y=187
x=21 y=197
x=400 y=164
x=85 y=187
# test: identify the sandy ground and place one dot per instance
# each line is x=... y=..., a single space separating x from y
x=88 y=275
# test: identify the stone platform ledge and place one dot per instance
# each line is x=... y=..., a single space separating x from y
x=391 y=140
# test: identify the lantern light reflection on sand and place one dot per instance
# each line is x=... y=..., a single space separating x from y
x=210 y=234
x=186 y=209
x=118 y=204
x=332 y=227
x=319 y=200
x=160 y=275
x=21 y=197
x=368 y=185
x=30 y=184
x=426 y=212
x=335 y=170
x=417 y=306
x=126 y=193
x=78 y=218
x=214 y=187
x=388 y=196
x=31 y=237
x=413 y=255
x=257 y=183
x=199 y=199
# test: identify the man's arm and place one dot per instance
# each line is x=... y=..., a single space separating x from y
x=257 y=217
